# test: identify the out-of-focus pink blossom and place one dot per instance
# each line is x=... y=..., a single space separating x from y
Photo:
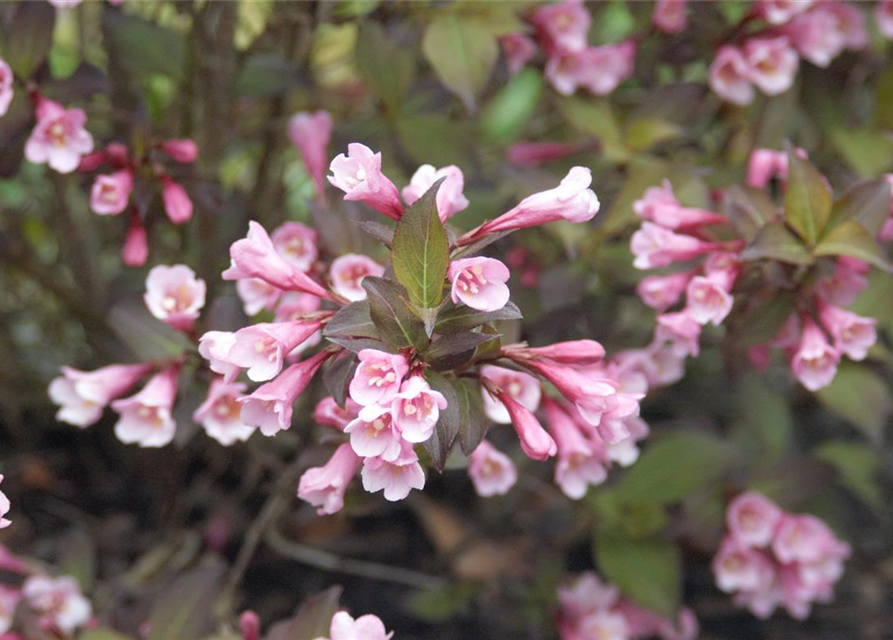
x=324 y=486
x=174 y=295
x=479 y=283
x=598 y=69
x=817 y=35
x=293 y=306
x=518 y=50
x=81 y=395
x=669 y=15
x=136 y=243
x=111 y=193
x=58 y=601
x=9 y=600
x=256 y=295
x=374 y=434
x=741 y=568
x=806 y=539
x=262 y=348
x=181 y=150
x=853 y=334
x=378 y=377
x=450 y=197
x=59 y=138
x=531 y=154
x=780 y=11
x=523 y=387
x=4 y=522
x=660 y=205
x=6 y=90
x=655 y=246
x=772 y=64
x=707 y=300
x=492 y=472
x=359 y=175
x=681 y=331
x=397 y=478
x=177 y=203
x=346 y=274
x=815 y=362
x=65 y=4
x=214 y=347
x=328 y=414
x=145 y=418
x=310 y=133
x=368 y=627
x=220 y=413
x=850 y=22
x=765 y=164
x=848 y=280
x=662 y=292
x=753 y=519
x=729 y=76
x=642 y=623
x=249 y=625
x=563 y=26
x=883 y=13
x=296 y=243
x=416 y=409
x=580 y=464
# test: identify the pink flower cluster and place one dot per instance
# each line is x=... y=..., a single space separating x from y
x=561 y=30
x=768 y=59
x=367 y=627
x=590 y=609
x=772 y=558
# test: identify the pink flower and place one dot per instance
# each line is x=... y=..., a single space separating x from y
x=255 y=256
x=81 y=395
x=586 y=595
x=579 y=463
x=573 y=352
x=328 y=414
x=740 y=568
x=397 y=477
x=324 y=487
x=753 y=519
x=220 y=415
x=806 y=539
x=571 y=200
x=729 y=76
x=707 y=301
x=523 y=387
x=58 y=601
x=669 y=15
x=536 y=443
x=261 y=348
x=660 y=205
x=9 y=600
x=346 y=274
x=531 y=154
x=655 y=246
x=293 y=306
x=249 y=625
x=65 y=4
x=111 y=193
x=851 y=23
x=136 y=243
x=848 y=280
x=883 y=12
x=214 y=347
x=772 y=64
x=598 y=69
x=479 y=283
x=853 y=334
x=4 y=509
x=174 y=295
x=602 y=624
x=662 y=292
x=145 y=418
x=378 y=377
x=681 y=331
x=816 y=35
x=310 y=133
x=780 y=11
x=491 y=471
x=6 y=90
x=765 y=164
x=269 y=407
x=296 y=243
x=450 y=199
x=368 y=627
x=59 y=138
x=563 y=26
x=416 y=409
x=359 y=175
x=518 y=50
x=815 y=362
x=374 y=434
x=181 y=150
x=256 y=295
x=645 y=624
x=177 y=204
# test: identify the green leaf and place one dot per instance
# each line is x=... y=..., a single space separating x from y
x=596 y=117
x=472 y=421
x=765 y=413
x=453 y=350
x=385 y=67
x=462 y=52
x=850 y=238
x=144 y=48
x=505 y=117
x=264 y=75
x=807 y=202
x=674 y=466
x=382 y=232
x=867 y=203
x=186 y=608
x=748 y=209
x=866 y=151
x=147 y=337
x=860 y=396
x=28 y=37
x=775 y=242
x=354 y=320
x=857 y=466
x=648 y=571
x=312 y=619
x=102 y=634
x=441 y=441
x=642 y=134
x=421 y=251
x=463 y=318
x=398 y=326
x=762 y=322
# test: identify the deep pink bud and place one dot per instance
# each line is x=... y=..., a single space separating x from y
x=136 y=243
x=177 y=204
x=249 y=625
x=574 y=352
x=518 y=49
x=535 y=442
x=181 y=150
x=669 y=15
x=92 y=161
x=532 y=154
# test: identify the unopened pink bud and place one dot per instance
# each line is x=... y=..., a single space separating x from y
x=183 y=150
x=136 y=243
x=177 y=204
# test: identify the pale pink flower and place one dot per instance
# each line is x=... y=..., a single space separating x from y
x=660 y=205
x=788 y=337
x=518 y=50
x=416 y=409
x=523 y=387
x=111 y=193
x=765 y=164
x=598 y=69
x=324 y=486
x=136 y=242
x=346 y=274
x=378 y=377
x=310 y=133
x=145 y=418
x=579 y=462
x=707 y=300
x=65 y=4
x=848 y=280
x=586 y=595
x=536 y=443
x=255 y=256
x=328 y=414
x=9 y=600
x=816 y=35
x=491 y=471
x=772 y=64
x=214 y=347
x=562 y=26
x=177 y=203
x=181 y=150
x=741 y=568
x=604 y=625
x=59 y=138
x=723 y=268
x=851 y=22
x=780 y=11
x=374 y=434
x=531 y=154
x=58 y=601
x=573 y=352
x=174 y=295
x=655 y=246
x=815 y=362
x=368 y=627
x=81 y=395
x=220 y=413
x=853 y=334
x=397 y=477
x=883 y=13
x=753 y=519
x=4 y=509
x=256 y=295
x=450 y=199
x=669 y=15
x=261 y=348
x=6 y=90
x=296 y=243
x=625 y=452
x=293 y=306
x=806 y=539
x=681 y=331
x=270 y=406
x=729 y=76
x=662 y=292
x=479 y=283
x=642 y=623
x=359 y=175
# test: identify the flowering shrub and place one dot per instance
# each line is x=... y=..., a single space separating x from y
x=359 y=237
